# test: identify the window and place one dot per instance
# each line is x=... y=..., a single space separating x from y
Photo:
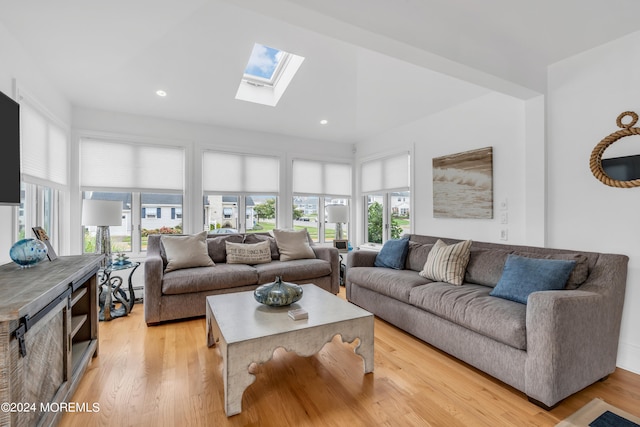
x=45 y=159
x=267 y=75
x=265 y=64
x=385 y=183
x=148 y=179
x=317 y=185
x=163 y=215
x=305 y=215
x=235 y=183
x=121 y=236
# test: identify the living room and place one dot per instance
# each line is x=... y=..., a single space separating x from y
x=542 y=115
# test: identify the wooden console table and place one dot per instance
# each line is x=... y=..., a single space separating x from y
x=48 y=335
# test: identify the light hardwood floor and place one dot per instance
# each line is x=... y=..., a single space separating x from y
x=167 y=376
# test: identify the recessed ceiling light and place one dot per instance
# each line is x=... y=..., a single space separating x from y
x=324 y=121
x=161 y=93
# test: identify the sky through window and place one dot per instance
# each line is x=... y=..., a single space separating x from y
x=263 y=61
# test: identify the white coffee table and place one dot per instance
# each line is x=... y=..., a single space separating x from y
x=247 y=332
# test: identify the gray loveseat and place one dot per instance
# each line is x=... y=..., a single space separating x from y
x=557 y=344
x=181 y=293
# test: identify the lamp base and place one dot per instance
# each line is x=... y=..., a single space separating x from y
x=339 y=230
x=103 y=244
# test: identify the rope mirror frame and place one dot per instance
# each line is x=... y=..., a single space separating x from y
x=595 y=162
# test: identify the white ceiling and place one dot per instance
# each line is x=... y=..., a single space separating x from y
x=369 y=63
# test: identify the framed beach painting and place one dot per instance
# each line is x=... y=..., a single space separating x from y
x=463 y=185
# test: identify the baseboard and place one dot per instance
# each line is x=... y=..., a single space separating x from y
x=629 y=357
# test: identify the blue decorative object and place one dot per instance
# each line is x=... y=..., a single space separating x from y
x=522 y=276
x=28 y=252
x=393 y=254
x=278 y=293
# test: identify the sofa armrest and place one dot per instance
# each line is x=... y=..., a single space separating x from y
x=153 y=273
x=331 y=255
x=361 y=258
x=571 y=343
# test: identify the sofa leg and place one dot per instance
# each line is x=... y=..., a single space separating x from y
x=153 y=323
x=604 y=378
x=540 y=404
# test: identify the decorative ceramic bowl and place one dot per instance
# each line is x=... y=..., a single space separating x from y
x=28 y=252
x=278 y=293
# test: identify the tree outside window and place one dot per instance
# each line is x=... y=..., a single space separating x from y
x=376 y=224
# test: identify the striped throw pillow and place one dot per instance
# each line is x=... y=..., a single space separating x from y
x=447 y=263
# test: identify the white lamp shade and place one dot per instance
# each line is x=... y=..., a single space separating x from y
x=101 y=212
x=338 y=213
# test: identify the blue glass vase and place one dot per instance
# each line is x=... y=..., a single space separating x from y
x=278 y=293
x=28 y=252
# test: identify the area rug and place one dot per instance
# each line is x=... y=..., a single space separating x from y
x=599 y=413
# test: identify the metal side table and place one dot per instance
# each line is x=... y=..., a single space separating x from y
x=111 y=291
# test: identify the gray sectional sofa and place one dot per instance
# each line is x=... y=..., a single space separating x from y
x=181 y=293
x=556 y=344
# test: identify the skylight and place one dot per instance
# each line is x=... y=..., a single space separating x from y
x=267 y=74
x=264 y=62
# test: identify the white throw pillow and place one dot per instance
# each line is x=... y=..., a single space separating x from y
x=447 y=263
x=186 y=251
x=248 y=253
x=293 y=245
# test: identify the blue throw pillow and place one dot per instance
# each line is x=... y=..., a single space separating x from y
x=522 y=276
x=393 y=254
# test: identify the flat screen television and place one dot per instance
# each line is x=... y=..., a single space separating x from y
x=624 y=168
x=9 y=151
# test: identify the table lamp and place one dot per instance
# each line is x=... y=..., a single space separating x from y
x=338 y=214
x=102 y=214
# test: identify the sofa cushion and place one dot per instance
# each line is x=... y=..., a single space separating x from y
x=294 y=270
x=393 y=254
x=186 y=251
x=447 y=263
x=221 y=276
x=293 y=244
x=248 y=253
x=257 y=238
x=417 y=256
x=485 y=266
x=386 y=281
x=217 y=246
x=522 y=276
x=471 y=306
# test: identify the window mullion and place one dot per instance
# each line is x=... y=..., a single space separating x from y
x=136 y=223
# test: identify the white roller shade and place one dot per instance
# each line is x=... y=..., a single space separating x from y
x=320 y=178
x=389 y=173
x=45 y=147
x=229 y=172
x=128 y=165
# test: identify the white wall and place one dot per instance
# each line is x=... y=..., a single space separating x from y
x=586 y=94
x=16 y=64
x=493 y=120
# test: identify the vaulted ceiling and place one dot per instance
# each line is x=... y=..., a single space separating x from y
x=370 y=65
